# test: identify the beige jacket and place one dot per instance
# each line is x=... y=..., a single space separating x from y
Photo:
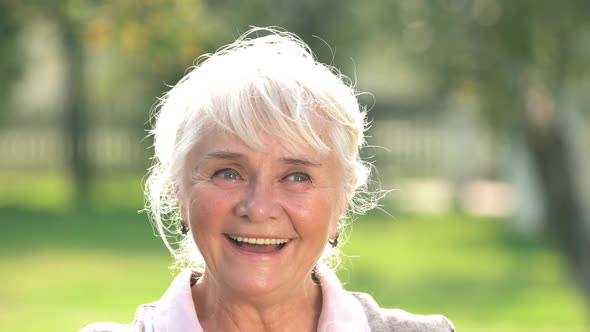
x=396 y=320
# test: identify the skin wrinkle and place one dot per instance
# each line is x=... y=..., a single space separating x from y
x=263 y=201
x=287 y=160
x=277 y=87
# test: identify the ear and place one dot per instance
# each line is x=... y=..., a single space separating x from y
x=334 y=228
x=183 y=214
x=181 y=205
x=336 y=223
x=344 y=204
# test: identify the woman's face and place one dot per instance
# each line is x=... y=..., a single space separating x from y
x=260 y=219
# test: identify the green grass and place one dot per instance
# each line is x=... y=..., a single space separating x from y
x=472 y=270
x=61 y=269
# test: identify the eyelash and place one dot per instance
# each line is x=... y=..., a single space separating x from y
x=220 y=173
x=223 y=171
x=305 y=176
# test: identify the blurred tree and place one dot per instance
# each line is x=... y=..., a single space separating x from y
x=60 y=12
x=9 y=66
x=146 y=43
x=517 y=57
x=76 y=104
x=329 y=27
x=513 y=61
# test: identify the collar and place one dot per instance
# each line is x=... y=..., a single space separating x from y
x=175 y=311
x=341 y=311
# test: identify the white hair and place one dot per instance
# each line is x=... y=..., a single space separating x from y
x=270 y=84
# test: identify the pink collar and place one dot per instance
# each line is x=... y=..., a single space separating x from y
x=340 y=310
x=175 y=311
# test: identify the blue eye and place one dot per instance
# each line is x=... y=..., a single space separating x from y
x=299 y=177
x=227 y=174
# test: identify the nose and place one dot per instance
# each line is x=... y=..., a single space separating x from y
x=258 y=203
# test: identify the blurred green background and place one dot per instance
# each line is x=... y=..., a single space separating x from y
x=479 y=119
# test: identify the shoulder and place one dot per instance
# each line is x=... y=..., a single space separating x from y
x=382 y=320
x=142 y=314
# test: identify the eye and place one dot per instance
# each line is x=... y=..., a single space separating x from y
x=298 y=177
x=226 y=174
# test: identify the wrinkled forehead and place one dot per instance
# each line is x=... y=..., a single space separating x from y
x=219 y=143
x=296 y=138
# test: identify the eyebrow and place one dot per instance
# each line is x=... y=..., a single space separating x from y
x=300 y=162
x=225 y=155
x=235 y=156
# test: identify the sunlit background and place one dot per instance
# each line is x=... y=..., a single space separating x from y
x=480 y=123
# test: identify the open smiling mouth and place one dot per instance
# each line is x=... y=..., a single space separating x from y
x=257 y=245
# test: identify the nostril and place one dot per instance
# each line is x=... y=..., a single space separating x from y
x=258 y=204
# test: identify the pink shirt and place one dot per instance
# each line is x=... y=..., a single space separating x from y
x=175 y=311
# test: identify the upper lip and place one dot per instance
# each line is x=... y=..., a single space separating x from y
x=258 y=239
x=257 y=236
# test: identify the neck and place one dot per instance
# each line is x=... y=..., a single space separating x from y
x=291 y=308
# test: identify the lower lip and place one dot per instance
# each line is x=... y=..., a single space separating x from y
x=256 y=254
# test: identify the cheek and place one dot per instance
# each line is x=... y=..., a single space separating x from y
x=209 y=207
x=315 y=216
x=207 y=213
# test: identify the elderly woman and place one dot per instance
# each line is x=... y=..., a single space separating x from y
x=256 y=164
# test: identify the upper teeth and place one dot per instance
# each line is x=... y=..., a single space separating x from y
x=252 y=240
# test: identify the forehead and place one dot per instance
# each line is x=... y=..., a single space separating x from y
x=223 y=145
